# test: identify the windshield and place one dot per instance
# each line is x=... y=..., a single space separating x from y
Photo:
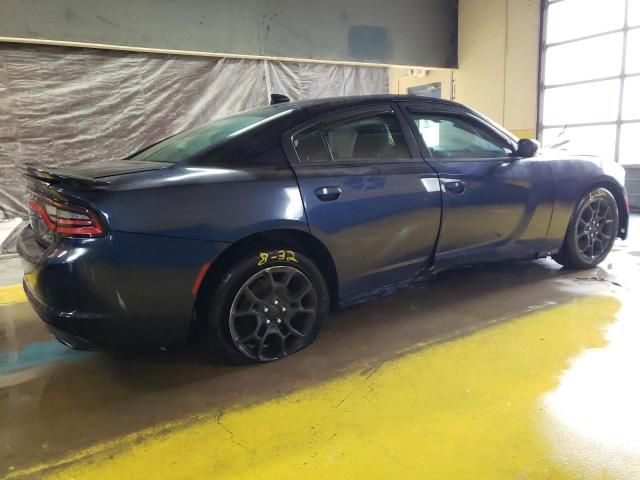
x=187 y=143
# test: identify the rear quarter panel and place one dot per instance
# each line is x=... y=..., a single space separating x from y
x=222 y=204
x=164 y=226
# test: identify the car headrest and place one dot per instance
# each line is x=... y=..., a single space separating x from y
x=370 y=141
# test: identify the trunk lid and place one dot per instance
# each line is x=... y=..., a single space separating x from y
x=89 y=175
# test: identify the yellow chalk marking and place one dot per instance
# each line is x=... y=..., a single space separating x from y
x=465 y=409
x=264 y=258
x=282 y=255
x=12 y=294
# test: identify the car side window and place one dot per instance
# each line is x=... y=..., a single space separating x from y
x=375 y=137
x=310 y=146
x=457 y=138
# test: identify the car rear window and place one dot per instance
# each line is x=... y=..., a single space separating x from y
x=185 y=144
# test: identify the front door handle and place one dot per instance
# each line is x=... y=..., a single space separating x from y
x=328 y=194
x=456 y=187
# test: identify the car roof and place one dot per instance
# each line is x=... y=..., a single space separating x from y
x=357 y=100
x=309 y=109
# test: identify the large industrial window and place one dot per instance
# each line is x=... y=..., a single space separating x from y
x=590 y=77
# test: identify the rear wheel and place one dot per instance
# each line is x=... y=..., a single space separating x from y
x=267 y=306
x=591 y=232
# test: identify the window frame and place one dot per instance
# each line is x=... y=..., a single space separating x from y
x=347 y=114
x=411 y=109
x=621 y=76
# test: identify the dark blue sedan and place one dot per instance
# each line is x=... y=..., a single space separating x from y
x=244 y=232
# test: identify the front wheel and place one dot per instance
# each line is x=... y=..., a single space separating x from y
x=592 y=230
x=267 y=306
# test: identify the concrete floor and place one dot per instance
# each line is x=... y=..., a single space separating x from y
x=519 y=370
x=10 y=271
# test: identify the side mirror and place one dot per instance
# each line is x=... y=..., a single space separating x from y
x=527 y=147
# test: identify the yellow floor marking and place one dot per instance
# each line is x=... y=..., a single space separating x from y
x=465 y=409
x=12 y=294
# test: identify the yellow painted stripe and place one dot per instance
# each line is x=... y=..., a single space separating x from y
x=12 y=294
x=465 y=409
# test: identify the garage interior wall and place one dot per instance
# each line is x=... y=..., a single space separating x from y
x=498 y=63
x=372 y=31
x=64 y=107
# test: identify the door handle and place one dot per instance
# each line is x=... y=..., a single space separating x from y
x=328 y=194
x=456 y=187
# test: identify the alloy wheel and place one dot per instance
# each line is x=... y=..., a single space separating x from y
x=273 y=313
x=594 y=229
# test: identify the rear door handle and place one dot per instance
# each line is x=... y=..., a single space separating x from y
x=456 y=187
x=328 y=194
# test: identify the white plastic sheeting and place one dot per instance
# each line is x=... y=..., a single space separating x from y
x=61 y=107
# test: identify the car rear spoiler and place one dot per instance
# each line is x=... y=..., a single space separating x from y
x=60 y=177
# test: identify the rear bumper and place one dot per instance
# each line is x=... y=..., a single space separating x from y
x=53 y=320
x=121 y=291
x=70 y=340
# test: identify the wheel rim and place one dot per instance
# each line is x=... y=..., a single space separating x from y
x=594 y=229
x=273 y=313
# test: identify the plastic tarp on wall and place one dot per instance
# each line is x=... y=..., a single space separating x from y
x=62 y=107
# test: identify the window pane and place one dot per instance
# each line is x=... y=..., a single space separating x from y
x=591 y=102
x=631 y=99
x=633 y=17
x=593 y=140
x=310 y=147
x=584 y=60
x=377 y=137
x=456 y=138
x=193 y=141
x=629 y=152
x=578 y=18
x=633 y=51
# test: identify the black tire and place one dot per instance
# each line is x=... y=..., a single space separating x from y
x=592 y=231
x=267 y=280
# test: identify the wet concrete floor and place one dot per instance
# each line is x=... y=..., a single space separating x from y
x=515 y=370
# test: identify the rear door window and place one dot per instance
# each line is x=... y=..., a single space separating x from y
x=374 y=137
x=310 y=146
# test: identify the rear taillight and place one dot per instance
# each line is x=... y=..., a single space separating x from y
x=66 y=220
